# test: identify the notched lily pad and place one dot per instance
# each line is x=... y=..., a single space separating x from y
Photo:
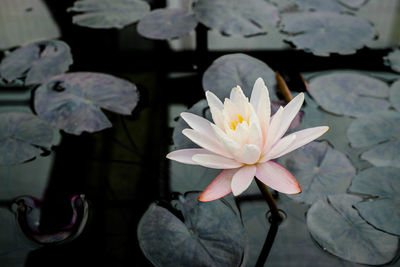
x=382 y=212
x=319 y=5
x=338 y=228
x=320 y=170
x=395 y=95
x=382 y=130
x=166 y=24
x=233 y=17
x=393 y=60
x=323 y=33
x=105 y=14
x=23 y=136
x=72 y=101
x=211 y=234
x=349 y=93
x=36 y=62
x=237 y=69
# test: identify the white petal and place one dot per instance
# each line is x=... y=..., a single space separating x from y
x=289 y=113
x=250 y=154
x=273 y=129
x=219 y=187
x=198 y=123
x=229 y=145
x=278 y=148
x=242 y=179
x=255 y=133
x=275 y=176
x=261 y=103
x=303 y=137
x=241 y=134
x=216 y=108
x=185 y=155
x=208 y=142
x=215 y=161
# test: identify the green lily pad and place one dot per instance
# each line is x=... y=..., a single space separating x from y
x=319 y=5
x=382 y=130
x=36 y=62
x=237 y=69
x=353 y=4
x=393 y=60
x=166 y=24
x=210 y=234
x=382 y=212
x=349 y=93
x=395 y=95
x=338 y=228
x=105 y=14
x=23 y=136
x=323 y=33
x=235 y=17
x=320 y=170
x=72 y=101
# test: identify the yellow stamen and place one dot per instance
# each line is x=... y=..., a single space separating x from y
x=236 y=122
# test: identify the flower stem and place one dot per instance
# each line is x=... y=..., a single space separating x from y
x=275 y=215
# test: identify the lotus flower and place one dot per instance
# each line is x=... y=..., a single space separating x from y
x=243 y=140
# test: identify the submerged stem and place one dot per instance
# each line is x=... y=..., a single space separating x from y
x=275 y=215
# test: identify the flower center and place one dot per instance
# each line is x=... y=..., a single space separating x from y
x=234 y=123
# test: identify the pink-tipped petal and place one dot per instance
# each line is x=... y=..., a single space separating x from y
x=303 y=137
x=242 y=179
x=280 y=146
x=219 y=187
x=206 y=142
x=185 y=155
x=289 y=113
x=215 y=161
x=275 y=176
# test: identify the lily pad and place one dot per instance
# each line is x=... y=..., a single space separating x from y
x=382 y=212
x=235 y=17
x=337 y=227
x=319 y=5
x=237 y=69
x=395 y=95
x=23 y=136
x=211 y=234
x=354 y=4
x=323 y=33
x=105 y=14
x=349 y=93
x=393 y=60
x=166 y=24
x=36 y=62
x=382 y=130
x=72 y=101
x=320 y=170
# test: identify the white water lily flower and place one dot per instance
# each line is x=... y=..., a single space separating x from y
x=243 y=140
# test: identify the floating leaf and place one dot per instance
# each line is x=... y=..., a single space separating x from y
x=349 y=93
x=320 y=170
x=319 y=5
x=393 y=60
x=354 y=4
x=237 y=69
x=23 y=136
x=382 y=130
x=105 y=14
x=382 y=212
x=234 y=17
x=166 y=24
x=72 y=101
x=210 y=235
x=338 y=228
x=36 y=62
x=322 y=33
x=395 y=95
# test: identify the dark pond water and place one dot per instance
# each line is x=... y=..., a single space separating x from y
x=90 y=111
